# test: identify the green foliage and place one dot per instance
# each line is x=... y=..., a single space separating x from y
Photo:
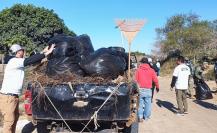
x=185 y=32
x=30 y=26
x=138 y=53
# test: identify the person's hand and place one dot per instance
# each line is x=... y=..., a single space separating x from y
x=48 y=50
x=157 y=89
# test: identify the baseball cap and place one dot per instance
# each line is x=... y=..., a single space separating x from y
x=16 y=47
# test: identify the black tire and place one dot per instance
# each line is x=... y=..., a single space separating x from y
x=42 y=127
x=134 y=128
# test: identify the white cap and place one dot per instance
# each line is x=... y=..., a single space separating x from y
x=149 y=60
x=15 y=47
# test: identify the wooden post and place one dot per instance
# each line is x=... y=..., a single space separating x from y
x=129 y=76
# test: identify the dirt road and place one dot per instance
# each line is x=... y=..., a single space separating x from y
x=202 y=117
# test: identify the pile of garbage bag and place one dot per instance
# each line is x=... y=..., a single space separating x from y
x=76 y=55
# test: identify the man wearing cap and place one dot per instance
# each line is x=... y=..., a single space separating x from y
x=144 y=77
x=12 y=84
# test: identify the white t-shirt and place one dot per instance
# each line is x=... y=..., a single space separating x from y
x=182 y=73
x=158 y=64
x=13 y=76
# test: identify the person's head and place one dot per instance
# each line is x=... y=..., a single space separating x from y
x=180 y=60
x=17 y=50
x=149 y=60
x=144 y=60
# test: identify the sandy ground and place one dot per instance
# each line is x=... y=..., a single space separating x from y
x=202 y=117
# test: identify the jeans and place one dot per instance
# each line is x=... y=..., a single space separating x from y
x=145 y=103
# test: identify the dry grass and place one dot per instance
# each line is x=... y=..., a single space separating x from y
x=209 y=74
x=168 y=67
x=37 y=75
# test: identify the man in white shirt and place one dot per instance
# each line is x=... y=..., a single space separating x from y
x=180 y=82
x=12 y=85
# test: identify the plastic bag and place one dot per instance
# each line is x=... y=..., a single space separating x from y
x=105 y=63
x=70 y=46
x=68 y=53
x=63 y=65
x=203 y=91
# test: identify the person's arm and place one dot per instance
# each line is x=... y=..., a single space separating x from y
x=198 y=73
x=38 y=57
x=136 y=75
x=155 y=79
x=173 y=82
x=175 y=77
x=34 y=59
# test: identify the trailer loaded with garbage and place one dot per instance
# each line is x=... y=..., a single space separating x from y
x=80 y=89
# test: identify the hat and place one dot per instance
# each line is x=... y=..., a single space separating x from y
x=150 y=60
x=16 y=47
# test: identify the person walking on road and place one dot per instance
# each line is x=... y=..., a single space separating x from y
x=12 y=85
x=144 y=77
x=158 y=66
x=180 y=82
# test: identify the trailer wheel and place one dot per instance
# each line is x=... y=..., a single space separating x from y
x=42 y=127
x=134 y=128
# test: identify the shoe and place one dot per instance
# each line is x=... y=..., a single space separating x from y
x=180 y=114
x=186 y=112
x=140 y=120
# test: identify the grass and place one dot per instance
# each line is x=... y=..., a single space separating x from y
x=168 y=67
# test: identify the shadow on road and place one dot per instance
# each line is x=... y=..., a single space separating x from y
x=28 y=128
x=167 y=105
x=206 y=104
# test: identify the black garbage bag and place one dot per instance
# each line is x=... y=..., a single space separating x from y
x=85 y=45
x=203 y=91
x=70 y=46
x=65 y=46
x=105 y=63
x=63 y=65
x=68 y=53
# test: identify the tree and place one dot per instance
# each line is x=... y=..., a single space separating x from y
x=187 y=34
x=30 y=26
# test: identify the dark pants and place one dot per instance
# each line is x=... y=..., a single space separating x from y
x=181 y=100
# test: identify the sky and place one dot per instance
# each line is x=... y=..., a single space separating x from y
x=96 y=18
